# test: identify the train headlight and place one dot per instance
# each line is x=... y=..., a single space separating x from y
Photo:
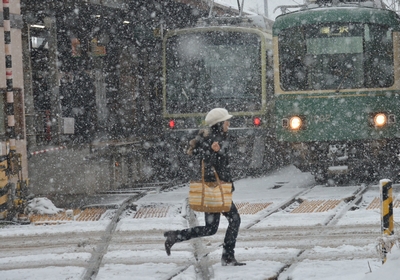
x=295 y=123
x=380 y=120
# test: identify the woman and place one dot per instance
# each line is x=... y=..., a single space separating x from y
x=212 y=146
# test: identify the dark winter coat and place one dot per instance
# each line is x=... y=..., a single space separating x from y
x=201 y=146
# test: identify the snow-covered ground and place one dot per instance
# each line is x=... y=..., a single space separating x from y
x=296 y=245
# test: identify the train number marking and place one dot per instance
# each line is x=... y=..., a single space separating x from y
x=322 y=118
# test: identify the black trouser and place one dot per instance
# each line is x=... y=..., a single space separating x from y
x=211 y=227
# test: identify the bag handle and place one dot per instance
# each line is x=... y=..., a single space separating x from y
x=219 y=186
x=203 y=172
x=216 y=176
x=203 y=184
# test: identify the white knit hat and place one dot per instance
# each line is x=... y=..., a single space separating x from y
x=217 y=115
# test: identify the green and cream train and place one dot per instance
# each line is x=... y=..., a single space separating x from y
x=222 y=62
x=337 y=87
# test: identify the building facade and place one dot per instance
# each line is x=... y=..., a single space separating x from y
x=86 y=81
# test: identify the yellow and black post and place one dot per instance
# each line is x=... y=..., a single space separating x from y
x=4 y=190
x=387 y=224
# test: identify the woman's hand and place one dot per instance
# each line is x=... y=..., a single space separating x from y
x=215 y=146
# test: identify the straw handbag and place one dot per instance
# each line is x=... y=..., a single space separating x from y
x=210 y=197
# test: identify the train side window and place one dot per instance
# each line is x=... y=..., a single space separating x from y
x=292 y=51
x=378 y=64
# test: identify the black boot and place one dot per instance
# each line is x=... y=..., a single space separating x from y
x=230 y=261
x=170 y=241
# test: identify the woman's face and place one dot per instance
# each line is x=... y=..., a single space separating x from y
x=225 y=126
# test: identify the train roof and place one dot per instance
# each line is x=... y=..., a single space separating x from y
x=345 y=13
x=254 y=21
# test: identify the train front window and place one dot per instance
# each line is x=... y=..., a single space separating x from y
x=213 y=69
x=336 y=56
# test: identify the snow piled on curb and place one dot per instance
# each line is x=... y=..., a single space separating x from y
x=42 y=205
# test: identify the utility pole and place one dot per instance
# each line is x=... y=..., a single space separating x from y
x=266 y=8
x=9 y=78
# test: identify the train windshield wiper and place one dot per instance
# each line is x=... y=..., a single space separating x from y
x=343 y=80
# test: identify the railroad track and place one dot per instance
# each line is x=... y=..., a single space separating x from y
x=309 y=237
x=205 y=252
x=101 y=248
